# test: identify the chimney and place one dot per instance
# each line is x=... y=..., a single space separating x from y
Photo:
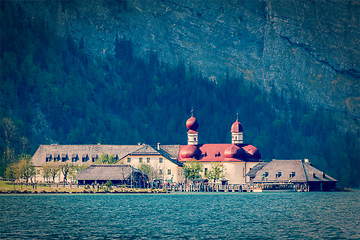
x=158 y=146
x=306 y=160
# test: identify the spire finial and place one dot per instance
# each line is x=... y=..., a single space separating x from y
x=192 y=112
x=237 y=116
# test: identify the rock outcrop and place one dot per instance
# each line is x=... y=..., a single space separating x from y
x=310 y=48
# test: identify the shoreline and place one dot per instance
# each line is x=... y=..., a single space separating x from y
x=56 y=191
x=116 y=191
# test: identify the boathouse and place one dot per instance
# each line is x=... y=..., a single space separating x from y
x=118 y=174
x=301 y=173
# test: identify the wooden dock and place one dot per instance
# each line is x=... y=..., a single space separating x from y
x=224 y=188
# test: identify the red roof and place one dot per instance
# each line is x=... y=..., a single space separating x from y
x=236 y=127
x=216 y=153
x=213 y=152
x=251 y=151
x=192 y=124
x=189 y=152
x=234 y=151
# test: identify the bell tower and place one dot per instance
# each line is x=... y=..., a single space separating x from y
x=237 y=132
x=192 y=124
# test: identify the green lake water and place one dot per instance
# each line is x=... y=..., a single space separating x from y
x=312 y=215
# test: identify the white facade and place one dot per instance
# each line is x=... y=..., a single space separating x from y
x=234 y=171
x=237 y=137
x=192 y=138
x=166 y=170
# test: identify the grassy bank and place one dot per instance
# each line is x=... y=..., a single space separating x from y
x=7 y=188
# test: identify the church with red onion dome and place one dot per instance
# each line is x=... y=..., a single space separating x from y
x=237 y=158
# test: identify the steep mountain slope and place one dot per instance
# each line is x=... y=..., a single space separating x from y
x=53 y=90
x=308 y=48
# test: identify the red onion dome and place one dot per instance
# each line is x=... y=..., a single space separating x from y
x=236 y=127
x=251 y=152
x=234 y=151
x=190 y=151
x=192 y=123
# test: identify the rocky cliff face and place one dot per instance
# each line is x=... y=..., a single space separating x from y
x=310 y=48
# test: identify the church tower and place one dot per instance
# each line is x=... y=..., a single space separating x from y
x=237 y=132
x=192 y=124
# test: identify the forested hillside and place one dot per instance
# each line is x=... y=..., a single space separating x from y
x=53 y=92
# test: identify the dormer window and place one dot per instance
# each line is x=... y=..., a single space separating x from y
x=278 y=174
x=94 y=157
x=74 y=157
x=48 y=157
x=292 y=175
x=56 y=157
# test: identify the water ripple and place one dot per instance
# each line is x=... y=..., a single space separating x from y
x=315 y=215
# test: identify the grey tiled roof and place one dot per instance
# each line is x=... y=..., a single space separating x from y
x=92 y=151
x=315 y=175
x=171 y=153
x=145 y=150
x=255 y=169
x=106 y=172
x=289 y=170
x=172 y=150
x=81 y=151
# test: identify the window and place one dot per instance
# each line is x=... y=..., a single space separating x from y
x=160 y=160
x=140 y=160
x=148 y=160
x=278 y=174
x=160 y=171
x=205 y=172
x=128 y=159
x=169 y=171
